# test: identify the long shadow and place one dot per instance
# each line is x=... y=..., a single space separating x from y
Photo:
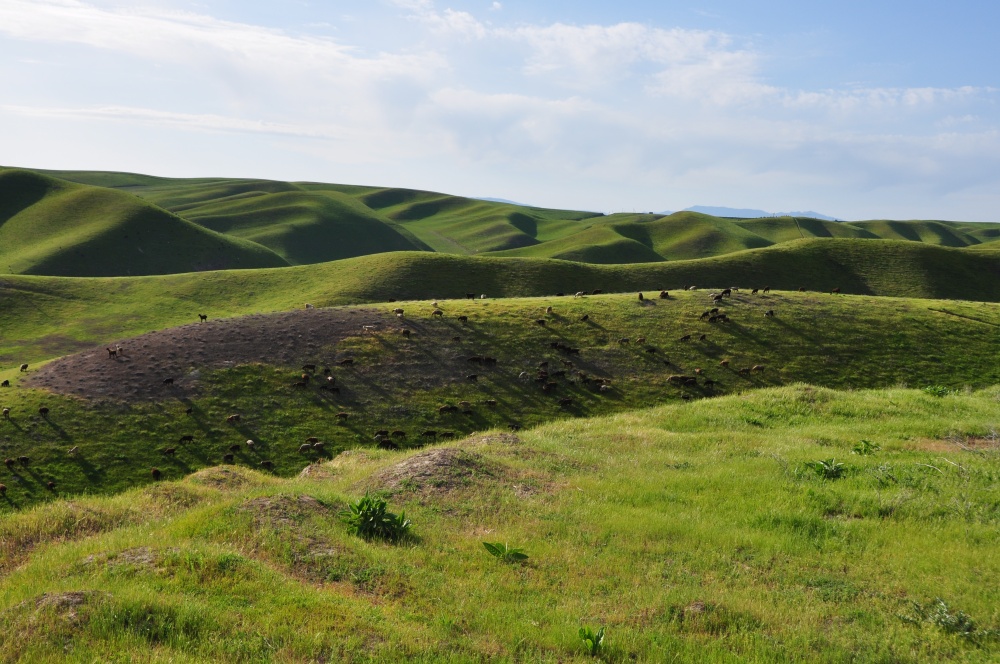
x=812 y=340
x=88 y=469
x=58 y=429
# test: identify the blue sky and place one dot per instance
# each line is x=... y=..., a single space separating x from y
x=855 y=109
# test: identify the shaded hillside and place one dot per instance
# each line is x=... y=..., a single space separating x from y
x=53 y=227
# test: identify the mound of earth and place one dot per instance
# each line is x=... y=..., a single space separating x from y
x=291 y=339
x=283 y=510
x=442 y=469
x=225 y=478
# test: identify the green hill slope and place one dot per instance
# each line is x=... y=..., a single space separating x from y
x=53 y=227
x=708 y=517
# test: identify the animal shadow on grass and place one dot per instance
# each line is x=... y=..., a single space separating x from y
x=58 y=429
x=91 y=472
x=818 y=343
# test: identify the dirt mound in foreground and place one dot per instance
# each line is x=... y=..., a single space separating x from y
x=441 y=470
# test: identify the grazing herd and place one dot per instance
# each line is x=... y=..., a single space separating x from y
x=547 y=378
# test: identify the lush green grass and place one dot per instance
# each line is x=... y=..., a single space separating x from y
x=53 y=227
x=692 y=532
x=399 y=384
x=316 y=222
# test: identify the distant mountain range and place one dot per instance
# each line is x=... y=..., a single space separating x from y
x=747 y=213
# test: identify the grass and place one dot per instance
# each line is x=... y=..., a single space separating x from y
x=399 y=384
x=307 y=223
x=53 y=227
x=690 y=531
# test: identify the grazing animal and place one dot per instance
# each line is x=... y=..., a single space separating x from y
x=319 y=446
x=112 y=352
x=51 y=485
x=769 y=313
x=305 y=448
x=728 y=292
x=463 y=318
x=398 y=434
x=483 y=296
x=758 y=368
x=470 y=296
x=802 y=289
x=8 y=462
x=464 y=404
x=705 y=315
x=3 y=489
x=309 y=306
x=430 y=433
x=398 y=312
x=744 y=371
x=267 y=464
x=492 y=403
x=447 y=409
x=565 y=402
x=664 y=295
x=717 y=298
x=168 y=381
x=43 y=411
x=713 y=310
x=724 y=363
x=233 y=419
x=235 y=447
x=305 y=378
x=24 y=367
x=187 y=438
x=490 y=361
x=343 y=416
x=640 y=340
x=23 y=460
x=312 y=439
x=203 y=317
x=641 y=297
x=585 y=318
x=514 y=426
x=227 y=458
x=767 y=289
x=387 y=445
x=456 y=338
x=382 y=432
x=548 y=310
x=686 y=337
x=188 y=411
x=447 y=434
x=624 y=340
x=437 y=312
x=251 y=444
x=405 y=333
x=472 y=377
x=651 y=350
x=6 y=413
x=540 y=321
x=699 y=371
x=702 y=337
x=170 y=451
x=754 y=291
x=5 y=383
x=346 y=363
x=155 y=472
x=604 y=388
x=524 y=375
x=435 y=304
x=835 y=291
x=579 y=293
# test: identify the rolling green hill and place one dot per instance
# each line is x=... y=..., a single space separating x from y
x=310 y=222
x=54 y=227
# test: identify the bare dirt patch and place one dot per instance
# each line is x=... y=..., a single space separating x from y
x=284 y=510
x=439 y=470
x=65 y=605
x=291 y=338
x=224 y=478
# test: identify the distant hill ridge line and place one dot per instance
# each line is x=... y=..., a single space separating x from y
x=270 y=223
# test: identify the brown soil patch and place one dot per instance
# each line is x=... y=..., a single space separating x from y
x=291 y=338
x=141 y=556
x=317 y=471
x=955 y=444
x=439 y=470
x=283 y=510
x=66 y=605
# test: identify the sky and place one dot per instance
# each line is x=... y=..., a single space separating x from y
x=855 y=109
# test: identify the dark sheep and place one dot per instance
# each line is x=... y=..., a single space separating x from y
x=492 y=403
x=203 y=317
x=300 y=383
x=769 y=313
x=186 y=438
x=227 y=458
x=641 y=297
x=728 y=292
x=624 y=340
x=447 y=409
x=465 y=404
x=267 y=464
x=398 y=434
x=470 y=296
x=305 y=448
x=705 y=315
x=51 y=485
x=490 y=361
x=456 y=338
x=188 y=411
x=168 y=381
x=405 y=333
x=235 y=447
x=330 y=388
x=566 y=402
x=540 y=322
x=472 y=378
x=754 y=291
x=745 y=371
x=327 y=372
x=343 y=416
x=319 y=446
x=155 y=472
x=651 y=350
x=430 y=433
x=463 y=318
x=43 y=411
x=686 y=337
x=702 y=337
x=24 y=367
x=767 y=289
x=585 y=318
x=758 y=368
x=835 y=291
x=437 y=312
x=233 y=419
x=713 y=310
x=802 y=289
x=8 y=462
x=112 y=352
x=476 y=359
x=724 y=363
x=514 y=426
x=664 y=295
x=717 y=298
x=23 y=460
x=447 y=434
x=387 y=445
x=312 y=439
x=398 y=312
x=6 y=413
x=170 y=451
x=5 y=383
x=382 y=432
x=3 y=489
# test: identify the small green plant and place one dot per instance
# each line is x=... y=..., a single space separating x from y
x=865 y=448
x=828 y=469
x=939 y=614
x=938 y=390
x=593 y=642
x=505 y=553
x=370 y=518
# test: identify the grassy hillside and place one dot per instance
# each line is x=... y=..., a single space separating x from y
x=53 y=227
x=42 y=317
x=103 y=405
x=691 y=532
